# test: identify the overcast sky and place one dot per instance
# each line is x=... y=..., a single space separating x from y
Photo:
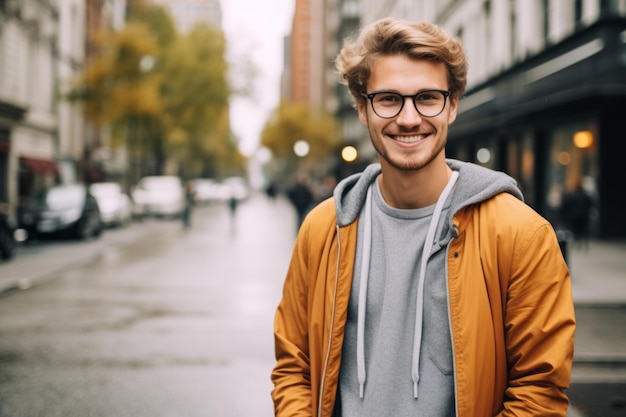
x=256 y=29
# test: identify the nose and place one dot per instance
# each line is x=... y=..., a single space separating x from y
x=409 y=116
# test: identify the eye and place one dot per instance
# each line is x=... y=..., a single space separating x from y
x=388 y=98
x=428 y=96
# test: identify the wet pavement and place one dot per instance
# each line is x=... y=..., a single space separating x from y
x=598 y=385
x=150 y=321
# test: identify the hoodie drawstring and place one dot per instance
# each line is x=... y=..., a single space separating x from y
x=419 y=308
x=363 y=280
x=365 y=269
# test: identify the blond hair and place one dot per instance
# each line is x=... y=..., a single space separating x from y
x=388 y=36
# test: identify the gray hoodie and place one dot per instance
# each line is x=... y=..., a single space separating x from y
x=381 y=347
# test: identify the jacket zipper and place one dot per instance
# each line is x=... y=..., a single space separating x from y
x=456 y=394
x=332 y=324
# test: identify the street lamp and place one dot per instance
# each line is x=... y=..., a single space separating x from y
x=301 y=148
x=349 y=153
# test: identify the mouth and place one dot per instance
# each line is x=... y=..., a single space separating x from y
x=409 y=139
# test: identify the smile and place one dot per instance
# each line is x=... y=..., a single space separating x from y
x=409 y=139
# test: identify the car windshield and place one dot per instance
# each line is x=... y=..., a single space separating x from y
x=62 y=198
x=155 y=184
x=105 y=189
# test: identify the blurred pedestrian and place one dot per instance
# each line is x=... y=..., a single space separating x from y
x=271 y=190
x=189 y=202
x=425 y=286
x=301 y=197
x=576 y=211
x=326 y=188
x=232 y=206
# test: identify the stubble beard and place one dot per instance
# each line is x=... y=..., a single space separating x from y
x=407 y=164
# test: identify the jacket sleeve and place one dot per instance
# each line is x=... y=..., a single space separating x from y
x=539 y=324
x=292 y=373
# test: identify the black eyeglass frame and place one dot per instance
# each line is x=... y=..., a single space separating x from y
x=371 y=96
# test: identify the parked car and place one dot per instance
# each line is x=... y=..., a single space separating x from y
x=159 y=195
x=62 y=210
x=114 y=204
x=10 y=235
x=206 y=191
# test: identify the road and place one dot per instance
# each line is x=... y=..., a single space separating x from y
x=152 y=320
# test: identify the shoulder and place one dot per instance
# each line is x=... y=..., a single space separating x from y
x=322 y=216
x=509 y=208
x=506 y=217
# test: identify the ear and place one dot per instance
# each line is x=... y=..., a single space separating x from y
x=454 y=102
x=361 y=107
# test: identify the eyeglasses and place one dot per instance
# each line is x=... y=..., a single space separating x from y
x=428 y=103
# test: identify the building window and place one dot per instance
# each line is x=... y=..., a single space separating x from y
x=513 y=31
x=520 y=163
x=573 y=160
x=578 y=12
x=488 y=31
x=546 y=21
x=609 y=7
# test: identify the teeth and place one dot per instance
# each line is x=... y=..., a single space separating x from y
x=408 y=139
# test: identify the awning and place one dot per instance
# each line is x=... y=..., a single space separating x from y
x=39 y=165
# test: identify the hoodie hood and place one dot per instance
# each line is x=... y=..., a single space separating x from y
x=475 y=184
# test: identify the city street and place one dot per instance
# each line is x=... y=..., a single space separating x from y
x=157 y=320
x=152 y=320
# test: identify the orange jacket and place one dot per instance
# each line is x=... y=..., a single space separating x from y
x=511 y=313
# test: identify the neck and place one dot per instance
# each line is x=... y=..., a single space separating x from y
x=414 y=189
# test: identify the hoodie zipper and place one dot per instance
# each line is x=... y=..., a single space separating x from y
x=332 y=324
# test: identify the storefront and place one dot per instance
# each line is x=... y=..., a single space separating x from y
x=555 y=122
x=35 y=174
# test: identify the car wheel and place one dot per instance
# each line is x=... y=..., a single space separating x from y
x=83 y=230
x=98 y=229
x=7 y=244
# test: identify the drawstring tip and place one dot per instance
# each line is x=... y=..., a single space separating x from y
x=361 y=389
x=415 y=390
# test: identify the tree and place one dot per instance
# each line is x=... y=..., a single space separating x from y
x=164 y=96
x=195 y=94
x=290 y=123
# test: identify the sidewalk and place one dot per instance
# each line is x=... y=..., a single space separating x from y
x=599 y=291
x=25 y=269
x=598 y=273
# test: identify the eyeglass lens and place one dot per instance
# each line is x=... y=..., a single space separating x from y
x=427 y=103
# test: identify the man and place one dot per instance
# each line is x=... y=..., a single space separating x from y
x=301 y=197
x=576 y=211
x=425 y=286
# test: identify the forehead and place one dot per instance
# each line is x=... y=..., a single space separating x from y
x=404 y=74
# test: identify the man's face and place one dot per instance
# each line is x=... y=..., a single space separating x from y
x=408 y=141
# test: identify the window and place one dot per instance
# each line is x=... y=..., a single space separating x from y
x=546 y=21
x=513 y=32
x=578 y=12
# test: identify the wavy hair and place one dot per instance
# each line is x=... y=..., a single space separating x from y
x=388 y=36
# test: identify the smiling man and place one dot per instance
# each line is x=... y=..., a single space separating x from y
x=425 y=286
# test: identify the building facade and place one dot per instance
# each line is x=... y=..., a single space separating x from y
x=549 y=78
x=186 y=13
x=546 y=86
x=44 y=139
x=28 y=105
